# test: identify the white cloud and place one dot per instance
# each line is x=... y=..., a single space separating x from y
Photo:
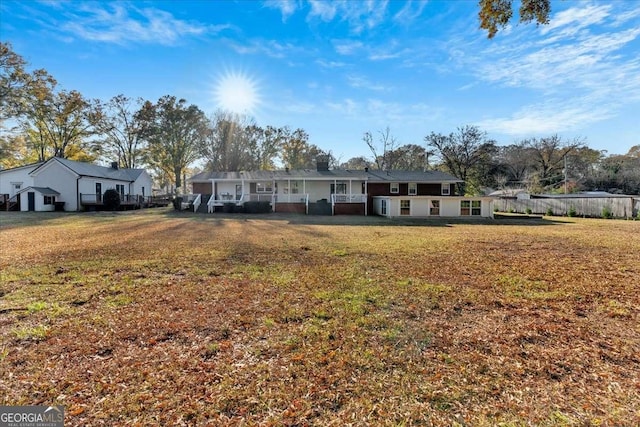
x=360 y=15
x=555 y=116
x=323 y=10
x=286 y=7
x=573 y=20
x=347 y=47
x=360 y=82
x=270 y=48
x=330 y=64
x=581 y=69
x=410 y=11
x=116 y=23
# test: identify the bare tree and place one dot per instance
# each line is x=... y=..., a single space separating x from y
x=382 y=150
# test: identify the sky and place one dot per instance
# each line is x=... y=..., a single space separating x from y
x=338 y=69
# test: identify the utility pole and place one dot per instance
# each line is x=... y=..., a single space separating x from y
x=565 y=174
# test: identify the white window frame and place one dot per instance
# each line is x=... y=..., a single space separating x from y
x=413 y=188
x=409 y=207
x=383 y=207
x=474 y=208
x=445 y=189
x=394 y=187
x=432 y=207
x=264 y=187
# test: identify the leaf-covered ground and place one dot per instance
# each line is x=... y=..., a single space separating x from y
x=161 y=318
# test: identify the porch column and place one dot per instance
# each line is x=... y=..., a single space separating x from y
x=366 y=198
x=242 y=197
x=213 y=189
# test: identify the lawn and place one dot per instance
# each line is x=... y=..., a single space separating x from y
x=161 y=318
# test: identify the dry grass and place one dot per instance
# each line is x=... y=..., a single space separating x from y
x=154 y=317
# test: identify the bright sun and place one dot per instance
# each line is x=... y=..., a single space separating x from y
x=238 y=93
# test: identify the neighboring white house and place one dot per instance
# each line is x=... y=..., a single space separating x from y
x=72 y=186
x=15 y=179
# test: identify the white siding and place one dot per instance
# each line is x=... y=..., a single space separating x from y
x=143 y=181
x=8 y=179
x=449 y=205
x=59 y=178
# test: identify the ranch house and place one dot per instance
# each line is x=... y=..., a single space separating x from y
x=324 y=191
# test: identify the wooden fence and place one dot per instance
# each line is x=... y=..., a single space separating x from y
x=617 y=207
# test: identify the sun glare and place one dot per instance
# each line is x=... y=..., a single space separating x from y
x=238 y=93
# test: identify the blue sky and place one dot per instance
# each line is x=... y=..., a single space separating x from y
x=339 y=69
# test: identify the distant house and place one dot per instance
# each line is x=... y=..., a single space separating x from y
x=68 y=185
x=333 y=192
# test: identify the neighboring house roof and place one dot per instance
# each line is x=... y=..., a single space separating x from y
x=42 y=190
x=509 y=192
x=31 y=165
x=411 y=176
x=89 y=169
x=341 y=174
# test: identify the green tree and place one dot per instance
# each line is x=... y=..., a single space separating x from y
x=463 y=153
x=495 y=14
x=14 y=82
x=549 y=156
x=60 y=120
x=356 y=163
x=174 y=132
x=409 y=157
x=230 y=143
x=297 y=153
x=121 y=127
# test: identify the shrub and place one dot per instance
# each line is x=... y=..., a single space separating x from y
x=549 y=212
x=111 y=199
x=177 y=203
x=606 y=212
x=257 y=207
x=572 y=211
x=528 y=211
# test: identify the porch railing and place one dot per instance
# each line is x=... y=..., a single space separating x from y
x=197 y=202
x=348 y=198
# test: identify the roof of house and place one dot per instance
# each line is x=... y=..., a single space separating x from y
x=89 y=169
x=31 y=165
x=411 y=176
x=42 y=190
x=341 y=174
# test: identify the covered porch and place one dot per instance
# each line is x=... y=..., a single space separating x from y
x=294 y=195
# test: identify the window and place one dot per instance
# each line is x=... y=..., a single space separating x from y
x=120 y=190
x=264 y=187
x=446 y=190
x=413 y=188
x=48 y=200
x=395 y=188
x=476 y=208
x=405 y=207
x=471 y=207
x=294 y=187
x=383 y=207
x=434 y=207
x=339 y=188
